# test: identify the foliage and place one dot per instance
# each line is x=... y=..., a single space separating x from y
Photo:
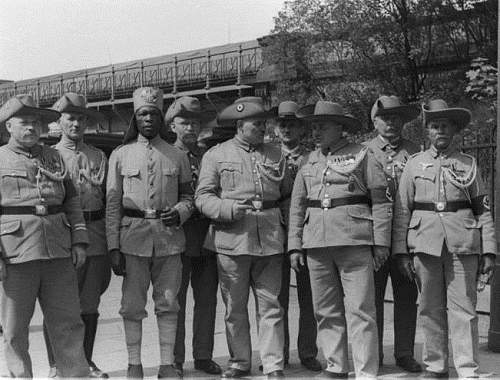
x=483 y=82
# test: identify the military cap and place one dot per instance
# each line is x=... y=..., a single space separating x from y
x=244 y=108
x=73 y=102
x=148 y=96
x=288 y=110
x=24 y=104
x=330 y=111
x=392 y=105
x=438 y=109
x=185 y=106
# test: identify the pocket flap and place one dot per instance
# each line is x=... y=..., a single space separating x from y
x=471 y=223
x=10 y=227
x=14 y=173
x=427 y=176
x=230 y=166
x=130 y=172
x=171 y=171
x=414 y=222
x=360 y=213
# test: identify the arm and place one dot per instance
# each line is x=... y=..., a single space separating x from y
x=185 y=204
x=114 y=196
x=207 y=198
x=297 y=213
x=402 y=212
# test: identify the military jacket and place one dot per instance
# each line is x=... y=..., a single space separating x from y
x=196 y=227
x=427 y=179
x=38 y=177
x=147 y=174
x=87 y=167
x=321 y=177
x=234 y=171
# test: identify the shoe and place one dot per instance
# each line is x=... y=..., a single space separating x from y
x=234 y=373
x=409 y=364
x=179 y=368
x=169 y=371
x=207 y=366
x=435 y=375
x=96 y=373
x=52 y=372
x=278 y=374
x=312 y=364
x=134 y=371
x=335 y=375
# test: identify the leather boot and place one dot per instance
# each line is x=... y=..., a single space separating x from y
x=90 y=322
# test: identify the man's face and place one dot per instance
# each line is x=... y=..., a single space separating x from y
x=24 y=129
x=252 y=130
x=73 y=125
x=186 y=129
x=440 y=133
x=149 y=121
x=326 y=133
x=288 y=130
x=389 y=126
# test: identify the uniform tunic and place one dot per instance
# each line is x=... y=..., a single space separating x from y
x=446 y=244
x=389 y=161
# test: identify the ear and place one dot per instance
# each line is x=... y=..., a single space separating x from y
x=172 y=126
x=8 y=126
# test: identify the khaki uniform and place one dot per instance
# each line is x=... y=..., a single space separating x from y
x=338 y=241
x=250 y=250
x=199 y=267
x=37 y=250
x=447 y=228
x=306 y=341
x=389 y=163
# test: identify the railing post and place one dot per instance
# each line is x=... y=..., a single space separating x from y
x=38 y=93
x=85 y=87
x=207 y=84
x=61 y=89
x=15 y=88
x=240 y=62
x=112 y=83
x=174 y=89
x=142 y=74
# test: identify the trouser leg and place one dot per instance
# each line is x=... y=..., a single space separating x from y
x=234 y=279
x=19 y=293
x=284 y=300
x=432 y=311
x=405 y=312
x=356 y=271
x=204 y=283
x=48 y=346
x=460 y=277
x=328 y=301
x=180 y=335
x=134 y=297
x=266 y=283
x=381 y=277
x=166 y=274
x=60 y=305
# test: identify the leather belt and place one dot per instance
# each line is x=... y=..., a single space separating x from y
x=39 y=210
x=450 y=206
x=91 y=216
x=263 y=205
x=327 y=203
x=144 y=214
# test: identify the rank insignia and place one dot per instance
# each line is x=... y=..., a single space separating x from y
x=486 y=203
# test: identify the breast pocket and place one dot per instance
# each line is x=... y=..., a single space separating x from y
x=131 y=180
x=424 y=184
x=230 y=175
x=170 y=178
x=12 y=182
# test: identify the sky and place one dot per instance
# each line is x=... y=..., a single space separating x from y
x=43 y=37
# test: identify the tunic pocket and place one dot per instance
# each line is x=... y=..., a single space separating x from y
x=10 y=237
x=230 y=175
x=131 y=180
x=11 y=181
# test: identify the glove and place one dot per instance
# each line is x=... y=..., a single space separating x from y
x=117 y=259
x=405 y=267
x=170 y=217
x=296 y=259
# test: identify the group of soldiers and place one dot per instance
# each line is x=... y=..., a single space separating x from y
x=344 y=216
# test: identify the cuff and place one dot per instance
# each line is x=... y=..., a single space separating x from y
x=226 y=209
x=185 y=211
x=80 y=237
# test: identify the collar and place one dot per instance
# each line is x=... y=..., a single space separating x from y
x=295 y=152
x=67 y=143
x=336 y=147
x=383 y=143
x=445 y=153
x=143 y=140
x=244 y=145
x=14 y=146
x=195 y=152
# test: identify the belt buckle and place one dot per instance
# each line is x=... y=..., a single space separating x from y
x=257 y=205
x=150 y=213
x=326 y=203
x=440 y=206
x=41 y=210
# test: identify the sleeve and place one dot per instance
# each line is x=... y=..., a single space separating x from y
x=185 y=202
x=402 y=211
x=297 y=213
x=114 y=185
x=381 y=205
x=207 y=197
x=481 y=207
x=286 y=187
x=73 y=210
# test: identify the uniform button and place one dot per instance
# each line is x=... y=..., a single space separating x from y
x=440 y=214
x=328 y=184
x=389 y=158
x=389 y=167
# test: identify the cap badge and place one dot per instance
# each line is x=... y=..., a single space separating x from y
x=240 y=107
x=149 y=95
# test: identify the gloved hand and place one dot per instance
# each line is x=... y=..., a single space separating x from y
x=117 y=259
x=405 y=266
x=380 y=255
x=485 y=270
x=297 y=259
x=170 y=217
